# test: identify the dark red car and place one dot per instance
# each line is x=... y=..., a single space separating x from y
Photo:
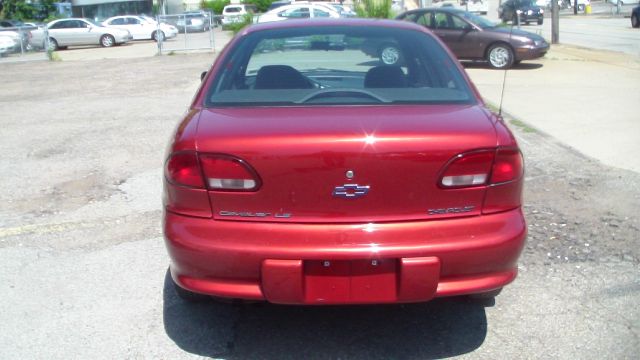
x=472 y=37
x=315 y=174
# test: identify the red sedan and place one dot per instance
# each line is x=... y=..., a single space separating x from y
x=308 y=172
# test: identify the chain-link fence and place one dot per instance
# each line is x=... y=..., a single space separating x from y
x=187 y=31
x=18 y=43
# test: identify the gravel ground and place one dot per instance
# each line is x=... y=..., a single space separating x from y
x=83 y=265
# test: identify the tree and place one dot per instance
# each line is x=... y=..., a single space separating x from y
x=20 y=10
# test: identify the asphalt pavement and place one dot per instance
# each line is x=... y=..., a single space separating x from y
x=83 y=266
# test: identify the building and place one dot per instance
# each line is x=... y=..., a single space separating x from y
x=102 y=9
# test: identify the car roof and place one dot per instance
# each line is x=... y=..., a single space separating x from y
x=329 y=22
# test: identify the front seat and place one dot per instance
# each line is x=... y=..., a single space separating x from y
x=385 y=76
x=281 y=77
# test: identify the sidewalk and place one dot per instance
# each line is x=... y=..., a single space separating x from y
x=587 y=99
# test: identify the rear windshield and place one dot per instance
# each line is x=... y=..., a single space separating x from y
x=337 y=65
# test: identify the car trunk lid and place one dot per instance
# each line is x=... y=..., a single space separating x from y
x=346 y=163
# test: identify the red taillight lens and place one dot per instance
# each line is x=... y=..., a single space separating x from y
x=228 y=173
x=486 y=167
x=470 y=169
x=183 y=169
x=508 y=166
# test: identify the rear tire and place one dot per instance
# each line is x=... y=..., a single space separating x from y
x=157 y=35
x=540 y=21
x=500 y=56
x=107 y=40
x=634 y=21
x=53 y=44
x=390 y=54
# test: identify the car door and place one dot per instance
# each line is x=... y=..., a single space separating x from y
x=467 y=40
x=62 y=32
x=138 y=29
x=450 y=31
x=85 y=34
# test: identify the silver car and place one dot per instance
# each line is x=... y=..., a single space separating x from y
x=78 y=31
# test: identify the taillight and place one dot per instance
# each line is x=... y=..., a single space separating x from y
x=507 y=166
x=484 y=167
x=470 y=169
x=190 y=176
x=183 y=169
x=223 y=172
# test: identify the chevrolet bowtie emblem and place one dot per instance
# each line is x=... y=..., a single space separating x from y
x=350 y=191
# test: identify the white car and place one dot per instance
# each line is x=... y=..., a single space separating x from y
x=298 y=11
x=78 y=31
x=478 y=6
x=7 y=44
x=232 y=14
x=141 y=28
x=15 y=38
x=623 y=2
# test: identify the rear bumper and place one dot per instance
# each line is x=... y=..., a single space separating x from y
x=344 y=263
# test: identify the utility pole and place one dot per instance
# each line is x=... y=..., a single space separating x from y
x=575 y=7
x=555 y=22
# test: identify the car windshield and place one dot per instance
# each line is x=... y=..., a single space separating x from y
x=480 y=21
x=527 y=3
x=337 y=65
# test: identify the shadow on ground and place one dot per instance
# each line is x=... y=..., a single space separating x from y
x=485 y=65
x=438 y=329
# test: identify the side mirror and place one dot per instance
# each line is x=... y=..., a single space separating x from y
x=204 y=73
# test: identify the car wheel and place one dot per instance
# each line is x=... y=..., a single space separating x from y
x=390 y=54
x=485 y=295
x=53 y=44
x=540 y=21
x=190 y=296
x=107 y=40
x=500 y=56
x=157 y=36
x=634 y=21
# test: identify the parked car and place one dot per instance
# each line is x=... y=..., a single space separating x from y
x=343 y=10
x=521 y=11
x=279 y=3
x=232 y=14
x=7 y=44
x=635 y=17
x=471 y=37
x=194 y=21
x=78 y=31
x=17 y=40
x=18 y=31
x=313 y=175
x=477 y=6
x=622 y=2
x=298 y=11
x=141 y=28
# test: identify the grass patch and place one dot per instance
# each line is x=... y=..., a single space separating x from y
x=524 y=127
x=53 y=56
x=515 y=122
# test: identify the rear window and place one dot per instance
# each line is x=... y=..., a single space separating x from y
x=337 y=65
